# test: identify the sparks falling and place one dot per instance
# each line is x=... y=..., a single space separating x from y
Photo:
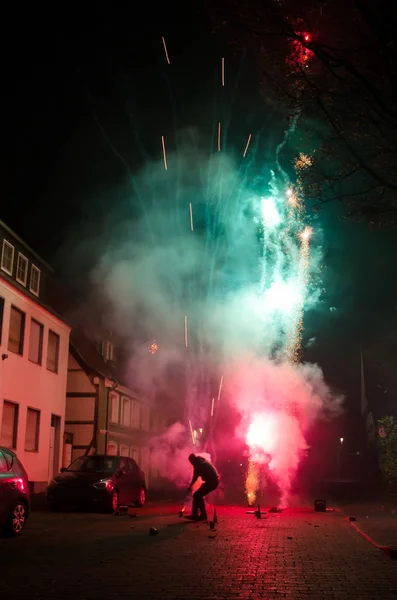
x=246 y=147
x=166 y=51
x=164 y=153
x=191 y=216
x=186 y=333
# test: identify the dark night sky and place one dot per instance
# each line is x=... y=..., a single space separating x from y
x=61 y=67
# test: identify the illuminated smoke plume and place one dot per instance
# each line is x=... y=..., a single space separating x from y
x=278 y=403
x=211 y=283
x=169 y=455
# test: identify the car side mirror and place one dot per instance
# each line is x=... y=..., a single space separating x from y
x=63 y=469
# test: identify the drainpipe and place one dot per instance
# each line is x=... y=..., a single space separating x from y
x=110 y=390
x=93 y=443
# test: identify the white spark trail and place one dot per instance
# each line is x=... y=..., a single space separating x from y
x=164 y=153
x=220 y=388
x=165 y=50
x=191 y=216
x=248 y=143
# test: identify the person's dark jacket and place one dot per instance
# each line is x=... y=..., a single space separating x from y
x=204 y=469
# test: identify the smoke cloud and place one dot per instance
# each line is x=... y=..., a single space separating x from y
x=212 y=278
x=170 y=452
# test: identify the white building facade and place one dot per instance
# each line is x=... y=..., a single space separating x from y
x=102 y=415
x=34 y=346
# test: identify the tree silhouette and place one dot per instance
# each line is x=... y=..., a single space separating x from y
x=332 y=67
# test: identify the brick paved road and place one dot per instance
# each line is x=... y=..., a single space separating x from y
x=295 y=555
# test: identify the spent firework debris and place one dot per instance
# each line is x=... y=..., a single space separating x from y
x=220 y=388
x=212 y=407
x=223 y=72
x=164 y=153
x=191 y=216
x=153 y=348
x=219 y=137
x=166 y=51
x=186 y=333
x=248 y=143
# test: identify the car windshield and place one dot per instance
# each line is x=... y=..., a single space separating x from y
x=94 y=464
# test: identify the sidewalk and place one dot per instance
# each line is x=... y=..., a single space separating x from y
x=376 y=520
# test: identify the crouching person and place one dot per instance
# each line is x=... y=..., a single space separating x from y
x=209 y=475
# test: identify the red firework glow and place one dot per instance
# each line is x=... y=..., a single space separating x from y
x=153 y=348
x=300 y=54
x=275 y=439
x=278 y=404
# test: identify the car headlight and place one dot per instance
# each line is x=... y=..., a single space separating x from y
x=104 y=484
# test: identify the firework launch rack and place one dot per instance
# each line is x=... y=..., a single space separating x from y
x=258 y=512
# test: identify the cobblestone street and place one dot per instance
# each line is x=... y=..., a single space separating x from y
x=297 y=554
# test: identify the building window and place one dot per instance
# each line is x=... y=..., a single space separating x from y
x=32 y=430
x=7 y=257
x=22 y=269
x=9 y=425
x=134 y=453
x=145 y=422
x=17 y=331
x=136 y=415
x=53 y=352
x=1 y=316
x=126 y=412
x=36 y=342
x=34 y=280
x=124 y=450
x=112 y=449
x=114 y=407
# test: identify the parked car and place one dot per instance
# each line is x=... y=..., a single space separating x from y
x=106 y=481
x=14 y=493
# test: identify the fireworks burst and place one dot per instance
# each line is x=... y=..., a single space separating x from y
x=242 y=267
x=153 y=348
x=303 y=162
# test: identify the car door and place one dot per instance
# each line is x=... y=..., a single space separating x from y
x=123 y=481
x=6 y=491
x=135 y=478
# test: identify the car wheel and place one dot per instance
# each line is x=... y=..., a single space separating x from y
x=16 y=520
x=114 y=501
x=142 y=497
